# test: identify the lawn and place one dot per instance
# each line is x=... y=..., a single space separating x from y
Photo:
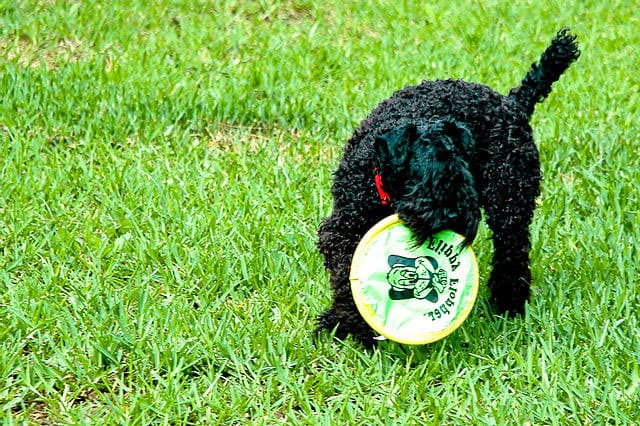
x=164 y=167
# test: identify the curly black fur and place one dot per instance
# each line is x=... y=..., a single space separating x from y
x=445 y=149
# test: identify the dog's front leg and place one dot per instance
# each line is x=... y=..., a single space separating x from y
x=337 y=241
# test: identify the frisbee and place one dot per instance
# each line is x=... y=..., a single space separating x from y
x=410 y=293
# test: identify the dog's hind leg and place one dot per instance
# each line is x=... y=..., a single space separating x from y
x=513 y=182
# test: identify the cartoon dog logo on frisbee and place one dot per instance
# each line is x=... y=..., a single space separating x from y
x=419 y=278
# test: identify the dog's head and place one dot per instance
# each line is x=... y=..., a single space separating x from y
x=426 y=172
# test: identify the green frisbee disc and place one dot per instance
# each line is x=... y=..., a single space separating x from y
x=410 y=293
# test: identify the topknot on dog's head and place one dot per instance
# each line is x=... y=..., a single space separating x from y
x=394 y=146
x=426 y=172
x=457 y=137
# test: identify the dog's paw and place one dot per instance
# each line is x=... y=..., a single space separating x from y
x=341 y=329
x=508 y=308
x=509 y=291
x=326 y=321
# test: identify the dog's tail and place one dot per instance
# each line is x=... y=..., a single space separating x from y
x=536 y=85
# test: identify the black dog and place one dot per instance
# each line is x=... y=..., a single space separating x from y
x=436 y=153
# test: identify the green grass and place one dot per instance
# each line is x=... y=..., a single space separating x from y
x=163 y=170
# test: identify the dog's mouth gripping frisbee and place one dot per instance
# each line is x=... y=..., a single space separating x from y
x=409 y=293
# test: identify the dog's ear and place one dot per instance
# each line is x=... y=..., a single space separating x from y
x=460 y=136
x=392 y=147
